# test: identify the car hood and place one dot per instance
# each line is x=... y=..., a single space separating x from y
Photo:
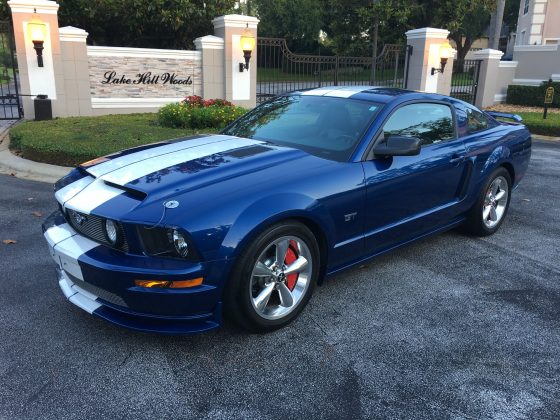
x=162 y=170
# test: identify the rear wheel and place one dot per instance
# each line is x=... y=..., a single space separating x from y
x=492 y=205
x=274 y=278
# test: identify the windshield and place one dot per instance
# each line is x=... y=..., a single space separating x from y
x=325 y=126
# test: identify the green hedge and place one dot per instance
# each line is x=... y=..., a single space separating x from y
x=532 y=95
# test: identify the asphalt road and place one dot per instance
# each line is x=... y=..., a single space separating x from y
x=449 y=327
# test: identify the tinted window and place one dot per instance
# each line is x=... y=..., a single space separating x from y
x=326 y=126
x=470 y=120
x=432 y=123
x=477 y=121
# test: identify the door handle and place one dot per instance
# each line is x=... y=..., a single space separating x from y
x=457 y=159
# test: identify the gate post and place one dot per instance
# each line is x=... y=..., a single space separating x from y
x=240 y=86
x=212 y=50
x=425 y=44
x=35 y=80
x=487 y=76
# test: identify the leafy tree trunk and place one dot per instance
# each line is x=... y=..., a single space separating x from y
x=463 y=46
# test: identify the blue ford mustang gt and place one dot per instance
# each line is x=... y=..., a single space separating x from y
x=164 y=237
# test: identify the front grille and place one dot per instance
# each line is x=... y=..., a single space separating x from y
x=97 y=291
x=91 y=227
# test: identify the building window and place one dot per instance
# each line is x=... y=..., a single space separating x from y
x=526 y=7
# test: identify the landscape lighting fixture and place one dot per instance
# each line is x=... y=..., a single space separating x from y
x=445 y=52
x=247 y=45
x=37 y=30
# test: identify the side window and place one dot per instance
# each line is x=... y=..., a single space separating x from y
x=477 y=121
x=431 y=123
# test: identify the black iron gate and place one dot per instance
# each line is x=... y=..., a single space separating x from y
x=464 y=82
x=279 y=70
x=10 y=101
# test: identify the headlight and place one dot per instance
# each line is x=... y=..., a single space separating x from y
x=180 y=243
x=167 y=242
x=112 y=232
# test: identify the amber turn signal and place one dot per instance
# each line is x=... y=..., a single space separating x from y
x=167 y=284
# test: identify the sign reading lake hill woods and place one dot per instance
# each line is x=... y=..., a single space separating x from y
x=146 y=78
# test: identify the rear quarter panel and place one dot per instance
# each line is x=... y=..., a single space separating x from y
x=507 y=145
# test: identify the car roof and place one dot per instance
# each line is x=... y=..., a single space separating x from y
x=377 y=94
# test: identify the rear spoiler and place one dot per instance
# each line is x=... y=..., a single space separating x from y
x=516 y=118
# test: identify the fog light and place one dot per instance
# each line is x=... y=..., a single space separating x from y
x=111 y=232
x=167 y=284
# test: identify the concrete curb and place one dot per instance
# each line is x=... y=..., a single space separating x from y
x=11 y=164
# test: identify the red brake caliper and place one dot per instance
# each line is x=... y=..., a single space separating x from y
x=291 y=256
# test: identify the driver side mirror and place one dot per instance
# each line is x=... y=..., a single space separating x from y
x=398 y=146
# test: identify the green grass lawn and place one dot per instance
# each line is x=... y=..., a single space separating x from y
x=71 y=141
x=536 y=125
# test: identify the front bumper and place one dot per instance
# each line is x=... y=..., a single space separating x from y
x=101 y=282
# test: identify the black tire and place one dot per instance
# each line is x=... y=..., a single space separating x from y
x=238 y=300
x=475 y=224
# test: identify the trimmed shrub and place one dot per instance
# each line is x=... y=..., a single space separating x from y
x=532 y=95
x=195 y=112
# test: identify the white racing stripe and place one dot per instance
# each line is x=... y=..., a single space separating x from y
x=78 y=296
x=87 y=193
x=70 y=250
x=120 y=162
x=338 y=92
x=66 y=193
x=58 y=234
x=92 y=196
x=142 y=168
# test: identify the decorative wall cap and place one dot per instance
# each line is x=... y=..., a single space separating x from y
x=508 y=64
x=527 y=82
x=235 y=21
x=45 y=7
x=72 y=34
x=534 y=48
x=423 y=33
x=209 y=42
x=142 y=53
x=488 y=54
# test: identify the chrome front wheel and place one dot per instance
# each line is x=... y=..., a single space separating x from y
x=274 y=277
x=280 y=277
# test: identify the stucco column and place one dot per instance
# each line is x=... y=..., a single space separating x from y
x=425 y=44
x=488 y=76
x=35 y=80
x=213 y=76
x=240 y=87
x=76 y=71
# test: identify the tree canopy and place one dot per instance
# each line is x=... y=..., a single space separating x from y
x=346 y=27
x=140 y=23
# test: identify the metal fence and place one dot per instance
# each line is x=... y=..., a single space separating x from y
x=280 y=70
x=10 y=101
x=464 y=82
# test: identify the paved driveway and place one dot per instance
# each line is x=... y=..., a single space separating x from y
x=449 y=327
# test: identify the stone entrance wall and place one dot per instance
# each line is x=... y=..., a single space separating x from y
x=143 y=74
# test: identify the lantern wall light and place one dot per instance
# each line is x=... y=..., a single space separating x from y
x=37 y=31
x=247 y=43
x=446 y=51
